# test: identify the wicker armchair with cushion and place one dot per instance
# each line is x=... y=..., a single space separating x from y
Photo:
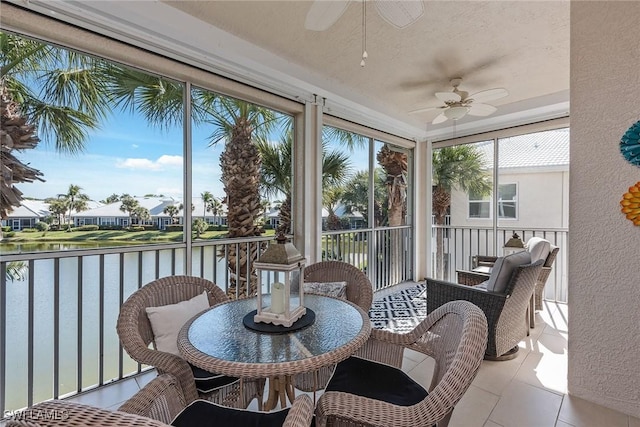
x=504 y=300
x=538 y=247
x=372 y=390
x=358 y=290
x=170 y=302
x=159 y=404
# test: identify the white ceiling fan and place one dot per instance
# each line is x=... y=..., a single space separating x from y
x=459 y=103
x=399 y=13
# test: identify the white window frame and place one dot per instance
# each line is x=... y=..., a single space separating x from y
x=489 y=200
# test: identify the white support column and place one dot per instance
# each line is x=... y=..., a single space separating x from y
x=422 y=210
x=307 y=203
x=187 y=177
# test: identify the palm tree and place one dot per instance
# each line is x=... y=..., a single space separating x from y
x=141 y=214
x=74 y=89
x=57 y=207
x=111 y=199
x=172 y=211
x=356 y=196
x=275 y=175
x=461 y=167
x=128 y=205
x=17 y=135
x=207 y=199
x=394 y=164
x=276 y=171
x=239 y=124
x=75 y=201
x=199 y=225
x=216 y=209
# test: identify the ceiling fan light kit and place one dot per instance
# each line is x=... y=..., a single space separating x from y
x=455 y=113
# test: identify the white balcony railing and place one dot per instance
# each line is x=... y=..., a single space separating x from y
x=57 y=322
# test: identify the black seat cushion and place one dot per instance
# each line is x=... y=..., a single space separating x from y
x=202 y=413
x=206 y=382
x=376 y=381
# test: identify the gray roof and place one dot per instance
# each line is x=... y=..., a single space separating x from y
x=155 y=205
x=541 y=149
x=30 y=209
x=40 y=209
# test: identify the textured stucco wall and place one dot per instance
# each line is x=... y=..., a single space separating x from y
x=604 y=247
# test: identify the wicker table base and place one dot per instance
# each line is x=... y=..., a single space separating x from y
x=280 y=389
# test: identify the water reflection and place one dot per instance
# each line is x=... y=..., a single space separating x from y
x=26 y=247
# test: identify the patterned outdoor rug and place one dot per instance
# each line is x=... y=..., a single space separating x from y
x=400 y=311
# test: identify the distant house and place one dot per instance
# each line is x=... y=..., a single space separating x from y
x=31 y=212
x=27 y=215
x=355 y=219
x=533 y=184
x=112 y=215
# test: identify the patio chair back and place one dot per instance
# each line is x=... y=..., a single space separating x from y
x=359 y=288
x=134 y=328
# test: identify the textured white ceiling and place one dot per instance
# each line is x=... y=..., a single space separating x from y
x=522 y=46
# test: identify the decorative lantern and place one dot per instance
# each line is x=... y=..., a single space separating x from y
x=515 y=244
x=282 y=266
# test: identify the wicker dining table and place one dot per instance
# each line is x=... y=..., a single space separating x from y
x=218 y=341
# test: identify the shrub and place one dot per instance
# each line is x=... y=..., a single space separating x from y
x=6 y=229
x=136 y=228
x=9 y=234
x=86 y=228
x=29 y=230
x=42 y=226
x=174 y=227
x=110 y=227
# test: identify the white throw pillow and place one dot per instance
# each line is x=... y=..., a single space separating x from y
x=503 y=269
x=539 y=248
x=167 y=320
x=332 y=289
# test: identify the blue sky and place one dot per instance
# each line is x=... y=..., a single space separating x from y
x=126 y=156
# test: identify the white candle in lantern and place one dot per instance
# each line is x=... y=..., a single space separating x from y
x=277 y=298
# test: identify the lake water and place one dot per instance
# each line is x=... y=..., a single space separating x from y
x=24 y=247
x=80 y=302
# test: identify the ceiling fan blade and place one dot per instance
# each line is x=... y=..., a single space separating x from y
x=424 y=110
x=489 y=95
x=400 y=13
x=441 y=118
x=448 y=97
x=481 y=109
x=323 y=14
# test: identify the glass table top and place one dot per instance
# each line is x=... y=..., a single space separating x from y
x=220 y=333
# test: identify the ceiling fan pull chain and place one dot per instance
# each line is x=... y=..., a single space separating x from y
x=364 y=34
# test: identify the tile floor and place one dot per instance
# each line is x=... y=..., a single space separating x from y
x=529 y=390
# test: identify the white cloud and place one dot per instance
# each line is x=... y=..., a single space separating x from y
x=134 y=146
x=162 y=163
x=166 y=160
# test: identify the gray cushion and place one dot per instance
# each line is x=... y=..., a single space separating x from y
x=503 y=269
x=539 y=248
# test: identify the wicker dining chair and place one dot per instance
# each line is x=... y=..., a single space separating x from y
x=372 y=390
x=359 y=291
x=136 y=335
x=158 y=404
x=506 y=311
